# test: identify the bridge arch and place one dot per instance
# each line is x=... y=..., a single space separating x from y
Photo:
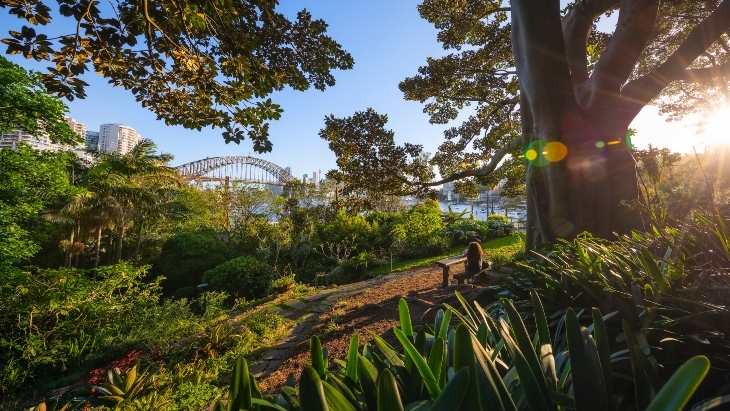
x=202 y=169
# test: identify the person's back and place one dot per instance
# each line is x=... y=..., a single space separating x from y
x=474 y=257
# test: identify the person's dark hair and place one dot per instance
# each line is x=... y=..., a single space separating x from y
x=474 y=253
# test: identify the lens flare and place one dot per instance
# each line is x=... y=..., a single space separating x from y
x=540 y=153
x=600 y=144
x=555 y=151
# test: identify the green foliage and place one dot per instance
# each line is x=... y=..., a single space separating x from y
x=127 y=387
x=419 y=233
x=224 y=86
x=26 y=105
x=187 y=255
x=505 y=367
x=241 y=277
x=498 y=218
x=216 y=340
x=29 y=182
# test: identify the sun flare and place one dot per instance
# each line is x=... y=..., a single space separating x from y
x=717 y=127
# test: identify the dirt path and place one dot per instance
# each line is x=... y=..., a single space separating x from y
x=334 y=315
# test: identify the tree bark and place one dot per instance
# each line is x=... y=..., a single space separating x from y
x=98 y=247
x=118 y=256
x=585 y=190
x=139 y=241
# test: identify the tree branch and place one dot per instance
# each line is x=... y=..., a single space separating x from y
x=577 y=26
x=479 y=172
x=643 y=89
x=704 y=73
x=635 y=23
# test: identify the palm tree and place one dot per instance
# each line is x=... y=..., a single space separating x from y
x=137 y=184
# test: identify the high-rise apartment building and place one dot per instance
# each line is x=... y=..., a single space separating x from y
x=288 y=169
x=15 y=137
x=92 y=140
x=118 y=137
x=78 y=128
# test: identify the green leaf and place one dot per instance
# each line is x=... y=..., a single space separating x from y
x=344 y=390
x=651 y=267
x=443 y=331
x=681 y=385
x=317 y=356
x=334 y=398
x=547 y=361
x=367 y=374
x=390 y=354
x=267 y=404
x=529 y=381
x=493 y=393
x=464 y=358
x=311 y=391
x=585 y=383
x=388 y=396
x=437 y=359
x=351 y=368
x=407 y=328
x=428 y=378
x=642 y=386
x=405 y=318
x=239 y=396
x=452 y=396
x=600 y=335
x=526 y=348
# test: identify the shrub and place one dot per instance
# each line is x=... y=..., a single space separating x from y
x=186 y=256
x=244 y=277
x=497 y=218
x=420 y=232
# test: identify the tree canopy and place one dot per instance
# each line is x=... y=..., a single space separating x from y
x=550 y=99
x=194 y=63
x=24 y=101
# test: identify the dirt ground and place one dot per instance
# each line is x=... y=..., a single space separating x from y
x=374 y=311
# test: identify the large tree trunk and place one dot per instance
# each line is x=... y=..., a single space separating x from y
x=584 y=190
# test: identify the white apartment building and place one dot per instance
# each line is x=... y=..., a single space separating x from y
x=78 y=128
x=118 y=137
x=15 y=137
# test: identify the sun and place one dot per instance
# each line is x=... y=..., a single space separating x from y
x=717 y=127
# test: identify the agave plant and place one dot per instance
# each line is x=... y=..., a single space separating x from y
x=126 y=388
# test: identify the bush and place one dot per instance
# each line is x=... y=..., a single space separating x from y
x=497 y=218
x=186 y=256
x=420 y=232
x=244 y=277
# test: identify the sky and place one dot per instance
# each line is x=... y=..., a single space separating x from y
x=388 y=41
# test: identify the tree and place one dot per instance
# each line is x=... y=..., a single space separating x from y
x=25 y=104
x=202 y=63
x=555 y=94
x=29 y=182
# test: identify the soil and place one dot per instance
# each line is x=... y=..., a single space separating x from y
x=374 y=311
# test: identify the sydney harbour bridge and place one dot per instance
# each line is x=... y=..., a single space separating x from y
x=245 y=169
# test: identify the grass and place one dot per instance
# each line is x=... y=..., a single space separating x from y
x=513 y=241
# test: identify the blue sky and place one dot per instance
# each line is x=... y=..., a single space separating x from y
x=388 y=41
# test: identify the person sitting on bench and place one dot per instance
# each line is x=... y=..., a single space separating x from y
x=474 y=262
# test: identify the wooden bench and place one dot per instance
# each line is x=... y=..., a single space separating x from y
x=446 y=264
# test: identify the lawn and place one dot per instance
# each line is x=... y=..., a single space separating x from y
x=495 y=249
